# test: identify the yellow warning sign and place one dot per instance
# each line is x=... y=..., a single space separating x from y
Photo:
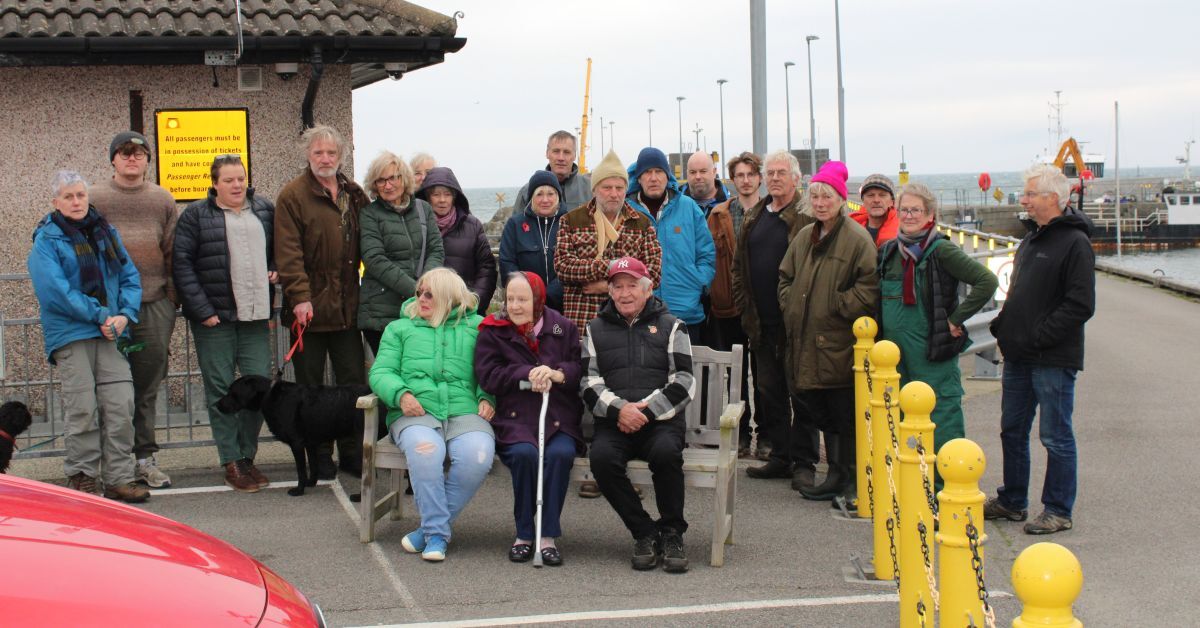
x=998 y=195
x=189 y=139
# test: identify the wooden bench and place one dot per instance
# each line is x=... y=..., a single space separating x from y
x=709 y=461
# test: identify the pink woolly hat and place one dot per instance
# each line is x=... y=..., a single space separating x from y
x=833 y=174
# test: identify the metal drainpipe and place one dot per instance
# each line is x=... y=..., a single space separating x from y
x=310 y=94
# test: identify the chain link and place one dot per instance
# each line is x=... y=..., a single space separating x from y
x=891 y=530
x=977 y=564
x=929 y=496
x=870 y=438
x=921 y=611
x=894 y=521
x=933 y=590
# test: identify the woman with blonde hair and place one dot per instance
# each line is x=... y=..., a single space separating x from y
x=425 y=373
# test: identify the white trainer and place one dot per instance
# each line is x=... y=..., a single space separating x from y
x=149 y=474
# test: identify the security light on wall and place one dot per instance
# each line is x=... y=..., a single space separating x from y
x=286 y=71
x=395 y=70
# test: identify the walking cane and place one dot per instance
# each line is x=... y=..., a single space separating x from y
x=537 y=517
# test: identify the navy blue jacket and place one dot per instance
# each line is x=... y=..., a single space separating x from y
x=527 y=244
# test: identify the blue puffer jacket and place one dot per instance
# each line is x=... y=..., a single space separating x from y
x=527 y=244
x=689 y=257
x=67 y=313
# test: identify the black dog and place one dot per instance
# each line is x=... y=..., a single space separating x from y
x=14 y=419
x=301 y=416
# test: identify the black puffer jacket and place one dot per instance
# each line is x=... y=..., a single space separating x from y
x=201 y=257
x=466 y=245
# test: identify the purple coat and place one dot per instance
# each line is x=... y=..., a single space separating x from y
x=502 y=360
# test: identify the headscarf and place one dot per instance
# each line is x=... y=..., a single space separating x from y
x=912 y=247
x=92 y=238
x=527 y=331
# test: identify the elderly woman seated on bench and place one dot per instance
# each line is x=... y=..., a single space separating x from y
x=527 y=341
x=638 y=380
x=436 y=410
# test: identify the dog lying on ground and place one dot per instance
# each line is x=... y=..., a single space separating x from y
x=14 y=419
x=300 y=416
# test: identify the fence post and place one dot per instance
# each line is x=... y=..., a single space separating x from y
x=918 y=599
x=865 y=329
x=960 y=558
x=885 y=355
x=1047 y=578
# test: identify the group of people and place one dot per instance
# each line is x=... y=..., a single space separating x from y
x=609 y=278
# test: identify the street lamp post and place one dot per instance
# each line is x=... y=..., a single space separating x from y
x=721 y=90
x=679 y=99
x=697 y=131
x=602 y=151
x=787 y=94
x=649 y=127
x=612 y=139
x=812 y=120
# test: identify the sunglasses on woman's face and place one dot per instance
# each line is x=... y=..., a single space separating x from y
x=425 y=294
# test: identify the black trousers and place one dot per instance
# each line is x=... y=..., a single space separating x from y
x=794 y=438
x=659 y=443
x=833 y=410
x=344 y=350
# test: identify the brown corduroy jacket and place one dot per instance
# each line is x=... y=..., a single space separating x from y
x=721 y=297
x=316 y=251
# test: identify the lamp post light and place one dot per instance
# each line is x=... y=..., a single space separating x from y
x=812 y=120
x=697 y=131
x=787 y=94
x=602 y=151
x=721 y=90
x=650 y=127
x=679 y=99
x=612 y=139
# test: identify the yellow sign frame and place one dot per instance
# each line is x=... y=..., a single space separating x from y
x=189 y=139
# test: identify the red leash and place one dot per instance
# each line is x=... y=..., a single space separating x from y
x=298 y=331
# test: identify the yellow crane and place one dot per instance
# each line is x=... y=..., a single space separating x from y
x=583 y=144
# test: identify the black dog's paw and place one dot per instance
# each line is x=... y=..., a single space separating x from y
x=296 y=492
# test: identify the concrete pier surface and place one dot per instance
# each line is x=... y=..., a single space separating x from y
x=1134 y=533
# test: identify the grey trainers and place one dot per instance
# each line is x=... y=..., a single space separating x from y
x=993 y=509
x=149 y=474
x=1048 y=523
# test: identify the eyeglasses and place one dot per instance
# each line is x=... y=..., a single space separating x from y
x=747 y=175
x=134 y=154
x=1031 y=194
x=425 y=294
x=394 y=180
x=778 y=174
x=909 y=211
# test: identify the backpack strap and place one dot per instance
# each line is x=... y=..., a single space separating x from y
x=424 y=239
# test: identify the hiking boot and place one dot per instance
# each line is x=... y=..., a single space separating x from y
x=84 y=483
x=1048 y=523
x=774 y=468
x=130 y=492
x=254 y=473
x=589 y=490
x=645 y=553
x=993 y=509
x=803 y=479
x=435 y=548
x=149 y=474
x=238 y=478
x=833 y=485
x=673 y=558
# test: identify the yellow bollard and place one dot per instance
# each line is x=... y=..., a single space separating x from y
x=918 y=591
x=960 y=516
x=885 y=355
x=1047 y=578
x=865 y=329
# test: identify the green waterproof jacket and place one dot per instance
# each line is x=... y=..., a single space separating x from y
x=435 y=364
x=390 y=242
x=824 y=286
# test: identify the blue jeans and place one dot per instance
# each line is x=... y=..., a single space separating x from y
x=1026 y=387
x=441 y=496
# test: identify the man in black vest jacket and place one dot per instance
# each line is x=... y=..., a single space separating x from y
x=638 y=361
x=1040 y=333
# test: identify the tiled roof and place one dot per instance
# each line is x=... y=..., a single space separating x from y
x=218 y=18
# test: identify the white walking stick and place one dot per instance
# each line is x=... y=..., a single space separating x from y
x=537 y=516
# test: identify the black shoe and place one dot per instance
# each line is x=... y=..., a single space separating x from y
x=645 y=553
x=673 y=558
x=520 y=552
x=803 y=479
x=834 y=485
x=774 y=468
x=551 y=557
x=326 y=470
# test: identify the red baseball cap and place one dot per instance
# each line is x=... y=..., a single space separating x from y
x=628 y=265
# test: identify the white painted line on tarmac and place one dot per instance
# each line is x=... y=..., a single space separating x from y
x=406 y=597
x=220 y=488
x=663 y=611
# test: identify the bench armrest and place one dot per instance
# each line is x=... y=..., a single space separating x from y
x=732 y=415
x=367 y=402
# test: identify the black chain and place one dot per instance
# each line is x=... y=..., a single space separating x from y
x=921 y=610
x=924 y=544
x=867 y=416
x=887 y=403
x=929 y=496
x=977 y=562
x=891 y=530
x=870 y=490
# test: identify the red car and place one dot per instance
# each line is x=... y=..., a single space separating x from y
x=71 y=559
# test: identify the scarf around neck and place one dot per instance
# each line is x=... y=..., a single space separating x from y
x=606 y=230
x=527 y=331
x=912 y=248
x=92 y=238
x=447 y=222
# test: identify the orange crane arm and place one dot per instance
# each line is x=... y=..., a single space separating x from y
x=583 y=134
x=1070 y=147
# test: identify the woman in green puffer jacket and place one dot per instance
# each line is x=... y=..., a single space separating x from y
x=398 y=240
x=425 y=372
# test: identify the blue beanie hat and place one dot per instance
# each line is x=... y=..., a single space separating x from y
x=650 y=157
x=543 y=178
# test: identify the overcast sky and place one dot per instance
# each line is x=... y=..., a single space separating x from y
x=963 y=86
